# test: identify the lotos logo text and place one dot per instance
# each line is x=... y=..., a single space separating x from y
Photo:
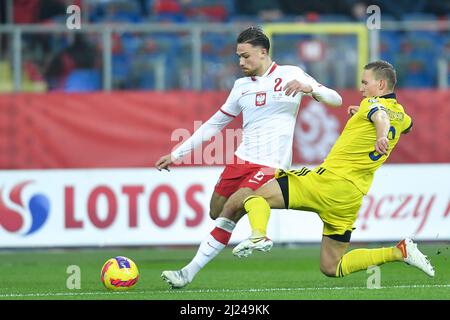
x=14 y=215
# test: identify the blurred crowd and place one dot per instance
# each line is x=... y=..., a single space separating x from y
x=73 y=62
x=136 y=11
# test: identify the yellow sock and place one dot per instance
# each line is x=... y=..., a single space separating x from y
x=360 y=259
x=258 y=211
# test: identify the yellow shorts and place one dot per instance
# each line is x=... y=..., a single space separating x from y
x=335 y=199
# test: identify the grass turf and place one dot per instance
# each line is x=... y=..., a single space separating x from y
x=284 y=273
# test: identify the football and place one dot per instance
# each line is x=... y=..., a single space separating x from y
x=119 y=274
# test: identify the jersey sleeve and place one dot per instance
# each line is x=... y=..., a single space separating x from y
x=408 y=123
x=320 y=92
x=229 y=110
x=368 y=107
x=231 y=106
x=303 y=77
x=209 y=129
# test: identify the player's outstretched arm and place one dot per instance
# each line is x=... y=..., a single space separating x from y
x=209 y=129
x=326 y=95
x=381 y=121
x=312 y=88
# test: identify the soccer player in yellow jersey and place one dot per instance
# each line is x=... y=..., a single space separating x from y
x=335 y=189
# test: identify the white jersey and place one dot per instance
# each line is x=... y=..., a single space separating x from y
x=269 y=116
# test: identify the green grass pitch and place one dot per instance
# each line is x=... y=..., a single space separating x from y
x=288 y=273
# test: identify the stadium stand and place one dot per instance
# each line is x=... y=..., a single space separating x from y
x=137 y=58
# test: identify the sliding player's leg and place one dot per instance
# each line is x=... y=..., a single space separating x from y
x=338 y=226
x=290 y=190
x=331 y=252
x=258 y=208
x=339 y=219
x=360 y=259
x=335 y=262
x=414 y=257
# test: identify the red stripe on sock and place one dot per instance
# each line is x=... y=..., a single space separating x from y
x=221 y=235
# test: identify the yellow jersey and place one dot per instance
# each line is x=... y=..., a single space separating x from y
x=353 y=156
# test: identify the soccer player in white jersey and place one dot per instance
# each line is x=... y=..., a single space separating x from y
x=269 y=97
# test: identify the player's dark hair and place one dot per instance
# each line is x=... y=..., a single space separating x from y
x=255 y=36
x=383 y=70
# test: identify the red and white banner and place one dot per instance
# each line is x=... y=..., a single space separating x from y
x=110 y=207
x=134 y=129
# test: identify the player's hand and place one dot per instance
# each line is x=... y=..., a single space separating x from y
x=295 y=87
x=382 y=145
x=164 y=162
x=351 y=110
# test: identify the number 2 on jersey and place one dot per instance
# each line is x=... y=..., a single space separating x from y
x=278 y=86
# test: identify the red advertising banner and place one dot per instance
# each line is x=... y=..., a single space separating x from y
x=133 y=129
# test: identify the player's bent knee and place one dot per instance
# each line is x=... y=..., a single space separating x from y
x=214 y=214
x=328 y=269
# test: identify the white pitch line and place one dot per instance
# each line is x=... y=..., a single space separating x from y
x=307 y=289
x=70 y=294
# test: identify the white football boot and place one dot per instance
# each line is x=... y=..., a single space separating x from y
x=246 y=247
x=413 y=257
x=175 y=278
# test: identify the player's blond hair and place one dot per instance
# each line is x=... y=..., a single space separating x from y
x=383 y=70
